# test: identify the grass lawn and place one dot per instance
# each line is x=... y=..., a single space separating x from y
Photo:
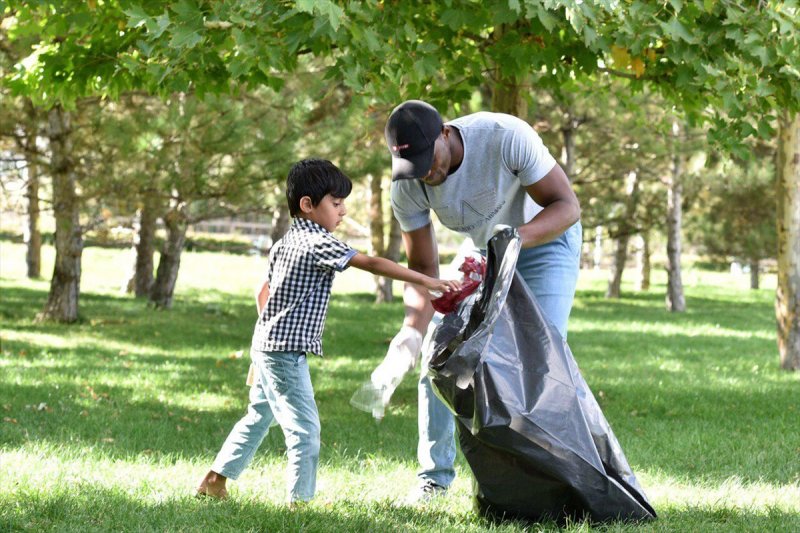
x=109 y=424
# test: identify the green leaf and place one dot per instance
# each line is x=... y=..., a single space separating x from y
x=334 y=13
x=455 y=18
x=241 y=21
x=306 y=6
x=503 y=14
x=765 y=129
x=239 y=66
x=331 y=12
x=548 y=20
x=275 y=83
x=185 y=37
x=677 y=31
x=371 y=38
x=137 y=16
x=157 y=26
x=188 y=11
x=762 y=54
x=790 y=71
x=748 y=130
x=589 y=37
x=145 y=47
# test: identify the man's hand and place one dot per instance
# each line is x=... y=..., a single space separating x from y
x=402 y=356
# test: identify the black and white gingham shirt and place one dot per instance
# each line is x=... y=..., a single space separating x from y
x=301 y=269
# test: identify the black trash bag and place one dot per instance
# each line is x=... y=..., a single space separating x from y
x=535 y=438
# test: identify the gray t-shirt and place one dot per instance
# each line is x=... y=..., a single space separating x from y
x=502 y=155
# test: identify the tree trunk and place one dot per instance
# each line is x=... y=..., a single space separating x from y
x=787 y=301
x=140 y=281
x=597 y=253
x=755 y=267
x=130 y=280
x=62 y=302
x=170 y=260
x=507 y=91
x=376 y=234
x=280 y=222
x=568 y=156
x=392 y=253
x=146 y=245
x=569 y=131
x=675 y=298
x=507 y=98
x=626 y=227
x=378 y=245
x=643 y=262
x=33 y=237
x=620 y=257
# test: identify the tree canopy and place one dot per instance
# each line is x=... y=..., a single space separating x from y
x=740 y=60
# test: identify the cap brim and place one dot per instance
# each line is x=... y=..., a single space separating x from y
x=412 y=167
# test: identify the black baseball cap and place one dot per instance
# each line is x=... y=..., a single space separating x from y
x=411 y=131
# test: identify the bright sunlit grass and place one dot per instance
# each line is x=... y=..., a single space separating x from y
x=108 y=424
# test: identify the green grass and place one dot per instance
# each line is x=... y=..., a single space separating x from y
x=109 y=424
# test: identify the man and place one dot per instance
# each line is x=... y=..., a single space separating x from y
x=475 y=172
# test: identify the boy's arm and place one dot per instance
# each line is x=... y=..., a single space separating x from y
x=262 y=294
x=390 y=269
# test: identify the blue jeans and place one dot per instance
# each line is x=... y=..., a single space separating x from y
x=551 y=272
x=282 y=394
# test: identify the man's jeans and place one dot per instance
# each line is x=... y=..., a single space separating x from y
x=551 y=272
x=281 y=394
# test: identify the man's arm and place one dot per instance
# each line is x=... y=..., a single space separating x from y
x=561 y=208
x=423 y=256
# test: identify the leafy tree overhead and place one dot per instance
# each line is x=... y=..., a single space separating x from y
x=736 y=64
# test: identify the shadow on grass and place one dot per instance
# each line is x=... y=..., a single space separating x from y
x=215 y=320
x=90 y=508
x=220 y=321
x=118 y=423
x=739 y=311
x=675 y=401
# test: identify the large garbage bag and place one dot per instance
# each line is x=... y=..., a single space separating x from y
x=535 y=438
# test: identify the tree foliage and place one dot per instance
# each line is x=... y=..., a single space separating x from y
x=700 y=52
x=734 y=218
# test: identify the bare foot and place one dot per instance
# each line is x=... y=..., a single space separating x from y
x=212 y=486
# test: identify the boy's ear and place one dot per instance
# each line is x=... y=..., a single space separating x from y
x=306 y=205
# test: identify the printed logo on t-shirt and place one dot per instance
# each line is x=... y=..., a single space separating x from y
x=468 y=214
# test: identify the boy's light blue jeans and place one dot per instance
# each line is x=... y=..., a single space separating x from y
x=282 y=394
x=551 y=272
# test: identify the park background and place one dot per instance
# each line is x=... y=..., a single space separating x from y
x=143 y=148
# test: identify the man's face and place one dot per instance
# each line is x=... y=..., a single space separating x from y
x=441 y=163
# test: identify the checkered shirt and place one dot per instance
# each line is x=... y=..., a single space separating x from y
x=301 y=269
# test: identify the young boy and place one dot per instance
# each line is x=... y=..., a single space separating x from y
x=292 y=303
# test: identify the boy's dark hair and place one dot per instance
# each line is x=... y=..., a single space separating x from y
x=315 y=178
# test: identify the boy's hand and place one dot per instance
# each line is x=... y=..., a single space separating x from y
x=438 y=287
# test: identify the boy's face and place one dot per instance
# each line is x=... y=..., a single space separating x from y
x=328 y=213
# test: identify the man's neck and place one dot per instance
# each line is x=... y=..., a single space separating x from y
x=456 y=145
